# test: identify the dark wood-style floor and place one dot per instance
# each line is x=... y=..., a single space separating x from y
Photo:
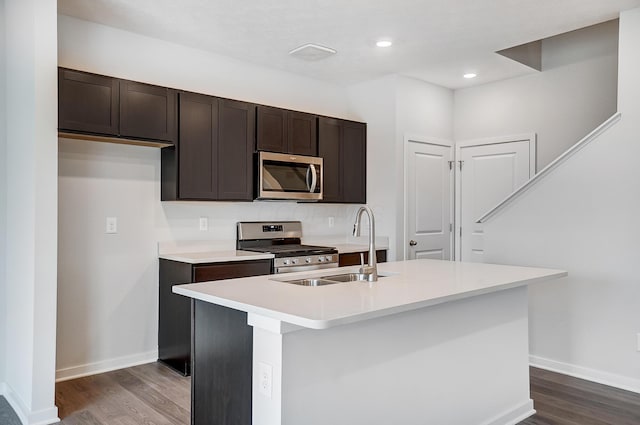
x=154 y=394
x=147 y=394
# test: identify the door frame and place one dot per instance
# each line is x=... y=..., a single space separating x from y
x=531 y=138
x=426 y=140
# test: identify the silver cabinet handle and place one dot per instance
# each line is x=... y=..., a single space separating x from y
x=413 y=243
x=314 y=178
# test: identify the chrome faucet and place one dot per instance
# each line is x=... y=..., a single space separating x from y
x=371 y=270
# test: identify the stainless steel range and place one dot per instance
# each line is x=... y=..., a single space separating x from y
x=282 y=238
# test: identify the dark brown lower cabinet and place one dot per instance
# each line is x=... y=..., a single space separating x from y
x=212 y=343
x=353 y=258
x=174 y=318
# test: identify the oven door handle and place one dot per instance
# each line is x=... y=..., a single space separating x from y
x=314 y=178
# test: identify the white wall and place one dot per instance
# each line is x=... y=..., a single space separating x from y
x=394 y=106
x=582 y=218
x=574 y=94
x=374 y=102
x=107 y=284
x=31 y=196
x=3 y=202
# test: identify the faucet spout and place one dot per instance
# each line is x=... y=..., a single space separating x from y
x=371 y=269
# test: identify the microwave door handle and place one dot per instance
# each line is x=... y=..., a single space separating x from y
x=314 y=178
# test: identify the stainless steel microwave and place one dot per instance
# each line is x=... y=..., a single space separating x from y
x=284 y=176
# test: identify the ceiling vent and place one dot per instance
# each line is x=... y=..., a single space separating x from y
x=312 y=52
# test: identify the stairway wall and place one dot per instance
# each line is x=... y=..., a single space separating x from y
x=582 y=218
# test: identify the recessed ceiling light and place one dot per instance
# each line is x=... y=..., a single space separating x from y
x=384 y=43
x=470 y=75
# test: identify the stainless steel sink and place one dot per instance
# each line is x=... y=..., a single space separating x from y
x=328 y=280
x=348 y=277
x=308 y=282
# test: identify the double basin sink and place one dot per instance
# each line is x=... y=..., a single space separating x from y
x=329 y=280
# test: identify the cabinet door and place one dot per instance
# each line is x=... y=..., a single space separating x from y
x=354 y=157
x=147 y=112
x=87 y=102
x=329 y=136
x=198 y=147
x=272 y=129
x=235 y=150
x=301 y=133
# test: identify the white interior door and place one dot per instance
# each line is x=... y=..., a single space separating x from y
x=428 y=195
x=486 y=174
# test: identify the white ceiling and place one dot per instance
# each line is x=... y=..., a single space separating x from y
x=434 y=40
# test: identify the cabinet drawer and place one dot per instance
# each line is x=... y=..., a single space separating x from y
x=353 y=258
x=231 y=270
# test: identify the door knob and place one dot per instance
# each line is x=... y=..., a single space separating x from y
x=413 y=243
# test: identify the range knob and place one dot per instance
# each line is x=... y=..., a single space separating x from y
x=320 y=259
x=329 y=258
x=294 y=261
x=286 y=262
x=307 y=260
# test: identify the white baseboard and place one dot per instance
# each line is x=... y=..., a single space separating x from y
x=598 y=376
x=513 y=416
x=26 y=416
x=105 y=366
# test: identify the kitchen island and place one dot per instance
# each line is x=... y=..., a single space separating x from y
x=432 y=342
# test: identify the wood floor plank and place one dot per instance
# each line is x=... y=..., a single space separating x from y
x=601 y=408
x=82 y=418
x=565 y=400
x=151 y=397
x=167 y=381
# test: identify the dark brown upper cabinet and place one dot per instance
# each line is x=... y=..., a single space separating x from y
x=147 y=112
x=283 y=131
x=98 y=107
x=343 y=146
x=214 y=158
x=88 y=102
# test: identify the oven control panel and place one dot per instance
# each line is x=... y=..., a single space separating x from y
x=307 y=260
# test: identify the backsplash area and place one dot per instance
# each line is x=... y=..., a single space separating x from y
x=182 y=219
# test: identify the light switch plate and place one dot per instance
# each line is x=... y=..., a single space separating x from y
x=204 y=224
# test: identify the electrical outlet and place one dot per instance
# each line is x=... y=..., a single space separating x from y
x=112 y=225
x=638 y=338
x=331 y=221
x=204 y=224
x=265 y=379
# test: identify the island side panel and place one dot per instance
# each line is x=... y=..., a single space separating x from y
x=222 y=348
x=174 y=317
x=459 y=363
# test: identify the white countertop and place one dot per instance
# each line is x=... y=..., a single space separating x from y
x=409 y=285
x=200 y=252
x=216 y=256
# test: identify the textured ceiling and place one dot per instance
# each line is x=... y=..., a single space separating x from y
x=434 y=40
